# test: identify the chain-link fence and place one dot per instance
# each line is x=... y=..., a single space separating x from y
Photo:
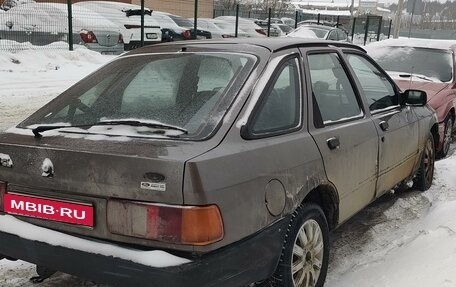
x=114 y=27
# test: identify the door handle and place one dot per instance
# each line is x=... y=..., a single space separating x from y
x=333 y=143
x=384 y=125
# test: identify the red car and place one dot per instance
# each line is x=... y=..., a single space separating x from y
x=427 y=65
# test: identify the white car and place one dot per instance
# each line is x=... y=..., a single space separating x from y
x=219 y=28
x=50 y=24
x=128 y=18
x=246 y=25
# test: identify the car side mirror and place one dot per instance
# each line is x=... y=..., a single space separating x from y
x=414 y=98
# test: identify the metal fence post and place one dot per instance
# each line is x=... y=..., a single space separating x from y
x=70 y=26
x=142 y=23
x=296 y=19
x=380 y=23
x=389 y=29
x=269 y=21
x=366 y=28
x=318 y=18
x=353 y=28
x=236 y=26
x=195 y=20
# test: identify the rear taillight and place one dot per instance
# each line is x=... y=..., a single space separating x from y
x=2 y=193
x=187 y=35
x=227 y=36
x=88 y=36
x=120 y=41
x=261 y=31
x=192 y=225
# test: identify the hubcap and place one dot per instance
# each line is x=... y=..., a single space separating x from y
x=307 y=256
x=429 y=161
x=447 y=139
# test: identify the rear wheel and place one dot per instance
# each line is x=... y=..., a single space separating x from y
x=425 y=174
x=305 y=256
x=447 y=137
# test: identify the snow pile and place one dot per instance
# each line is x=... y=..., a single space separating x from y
x=30 y=78
x=156 y=258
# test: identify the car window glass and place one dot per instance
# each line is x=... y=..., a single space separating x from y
x=187 y=90
x=331 y=88
x=154 y=85
x=333 y=36
x=342 y=35
x=378 y=91
x=281 y=105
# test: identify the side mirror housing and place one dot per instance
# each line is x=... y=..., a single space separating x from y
x=414 y=98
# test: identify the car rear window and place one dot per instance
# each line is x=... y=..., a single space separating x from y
x=191 y=91
x=434 y=64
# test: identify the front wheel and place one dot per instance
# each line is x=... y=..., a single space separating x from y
x=305 y=256
x=425 y=174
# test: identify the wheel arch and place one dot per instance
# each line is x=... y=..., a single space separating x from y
x=327 y=197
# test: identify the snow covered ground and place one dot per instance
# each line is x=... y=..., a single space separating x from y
x=402 y=240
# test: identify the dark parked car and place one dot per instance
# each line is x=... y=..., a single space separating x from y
x=428 y=65
x=209 y=163
x=320 y=32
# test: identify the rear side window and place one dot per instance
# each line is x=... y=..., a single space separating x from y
x=331 y=89
x=280 y=108
x=378 y=91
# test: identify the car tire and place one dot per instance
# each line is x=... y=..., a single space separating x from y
x=446 y=137
x=425 y=173
x=305 y=255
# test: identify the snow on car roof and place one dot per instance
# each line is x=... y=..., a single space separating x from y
x=414 y=42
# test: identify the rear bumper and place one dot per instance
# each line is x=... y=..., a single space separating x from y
x=236 y=265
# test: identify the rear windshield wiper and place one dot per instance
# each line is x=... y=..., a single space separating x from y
x=38 y=130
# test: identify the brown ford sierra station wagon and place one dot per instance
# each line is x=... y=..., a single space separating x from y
x=210 y=163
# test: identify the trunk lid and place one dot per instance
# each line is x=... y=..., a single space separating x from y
x=146 y=170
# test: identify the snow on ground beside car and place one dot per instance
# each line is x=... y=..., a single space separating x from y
x=401 y=240
x=404 y=239
x=30 y=78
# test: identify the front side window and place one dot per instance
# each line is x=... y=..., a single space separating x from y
x=378 y=91
x=187 y=90
x=280 y=107
x=331 y=89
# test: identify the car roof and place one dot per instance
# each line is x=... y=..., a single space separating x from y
x=322 y=27
x=416 y=43
x=272 y=44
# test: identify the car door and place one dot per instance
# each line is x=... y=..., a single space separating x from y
x=345 y=135
x=397 y=126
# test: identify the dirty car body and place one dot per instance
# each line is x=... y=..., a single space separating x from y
x=214 y=152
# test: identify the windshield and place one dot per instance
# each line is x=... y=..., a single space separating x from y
x=190 y=91
x=432 y=63
x=306 y=32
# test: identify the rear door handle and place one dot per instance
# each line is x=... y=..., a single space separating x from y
x=333 y=143
x=384 y=125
